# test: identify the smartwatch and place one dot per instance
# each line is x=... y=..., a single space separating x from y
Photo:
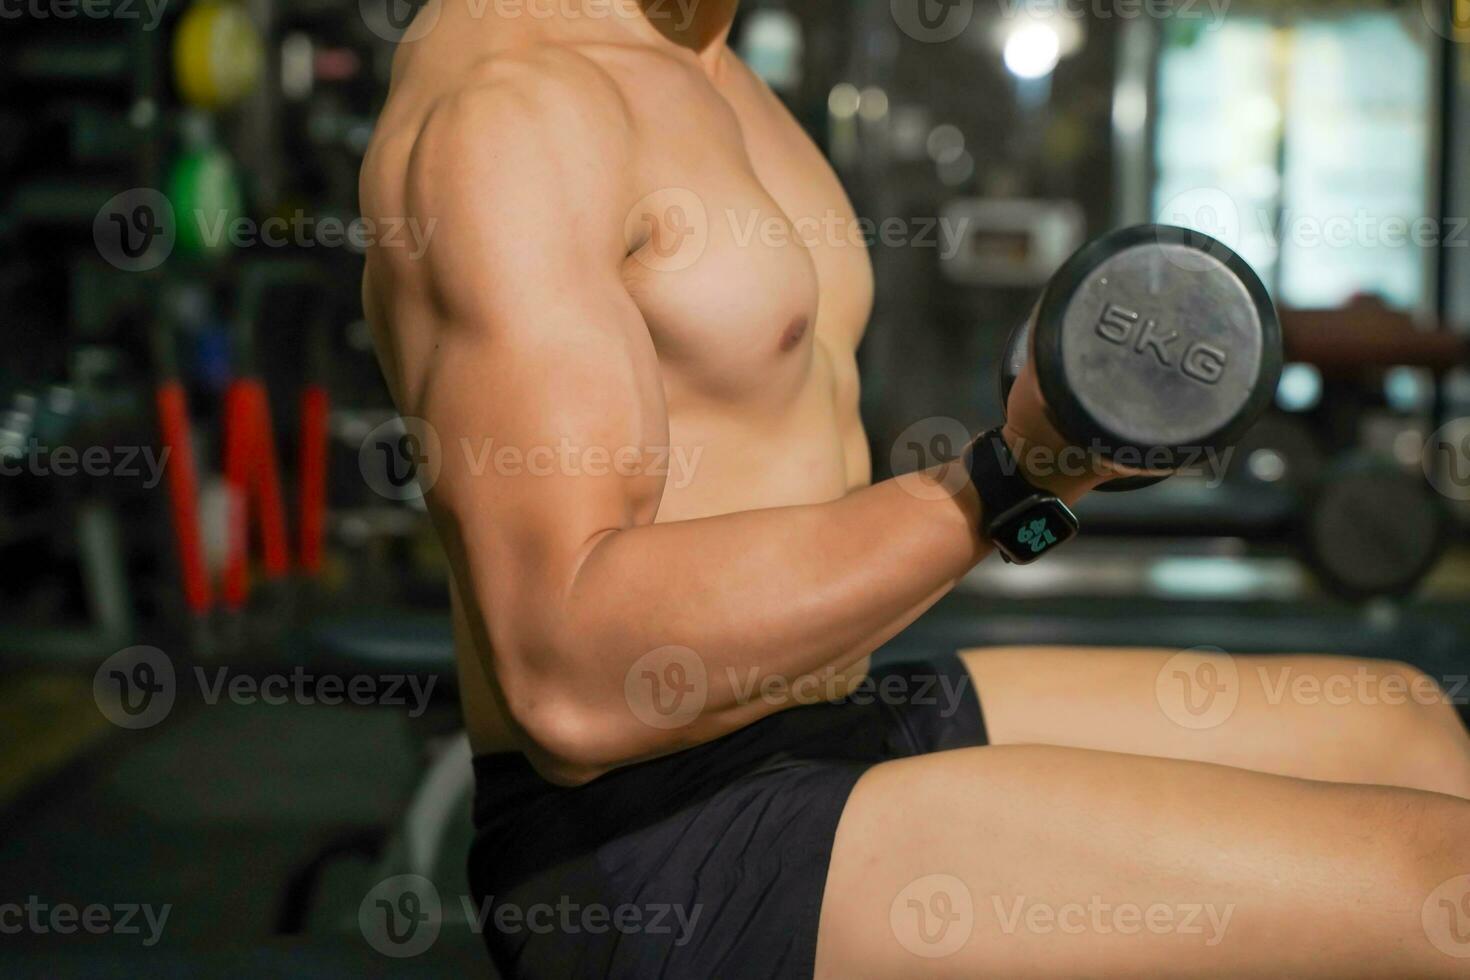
x=1025 y=524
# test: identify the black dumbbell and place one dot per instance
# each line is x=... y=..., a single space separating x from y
x=1372 y=529
x=1153 y=345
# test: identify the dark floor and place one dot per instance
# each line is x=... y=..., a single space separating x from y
x=211 y=813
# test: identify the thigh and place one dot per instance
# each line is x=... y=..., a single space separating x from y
x=1316 y=717
x=1040 y=861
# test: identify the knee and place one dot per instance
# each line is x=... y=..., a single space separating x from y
x=1428 y=845
x=1420 y=731
x=1423 y=874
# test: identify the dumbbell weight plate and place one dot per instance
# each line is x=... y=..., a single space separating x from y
x=204 y=189
x=1153 y=339
x=1372 y=529
x=218 y=54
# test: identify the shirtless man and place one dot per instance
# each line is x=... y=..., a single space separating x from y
x=585 y=287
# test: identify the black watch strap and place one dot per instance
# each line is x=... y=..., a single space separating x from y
x=1022 y=521
x=996 y=473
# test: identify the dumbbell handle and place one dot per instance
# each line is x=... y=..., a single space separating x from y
x=1018 y=350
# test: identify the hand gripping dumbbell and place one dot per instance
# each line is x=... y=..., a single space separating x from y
x=1154 y=345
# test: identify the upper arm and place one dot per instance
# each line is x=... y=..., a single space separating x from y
x=542 y=380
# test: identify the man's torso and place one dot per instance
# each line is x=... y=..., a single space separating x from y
x=744 y=261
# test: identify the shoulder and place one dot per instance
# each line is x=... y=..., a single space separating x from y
x=526 y=161
x=538 y=118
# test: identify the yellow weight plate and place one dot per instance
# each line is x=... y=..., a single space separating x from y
x=217 y=54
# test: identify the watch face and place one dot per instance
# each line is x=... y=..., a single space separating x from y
x=1028 y=532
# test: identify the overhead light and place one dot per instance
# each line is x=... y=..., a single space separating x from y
x=1033 y=50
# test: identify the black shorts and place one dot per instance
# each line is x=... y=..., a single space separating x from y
x=708 y=863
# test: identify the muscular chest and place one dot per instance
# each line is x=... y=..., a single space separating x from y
x=752 y=272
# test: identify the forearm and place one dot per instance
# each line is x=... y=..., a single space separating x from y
x=762 y=601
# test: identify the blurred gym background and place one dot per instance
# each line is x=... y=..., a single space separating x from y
x=190 y=410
